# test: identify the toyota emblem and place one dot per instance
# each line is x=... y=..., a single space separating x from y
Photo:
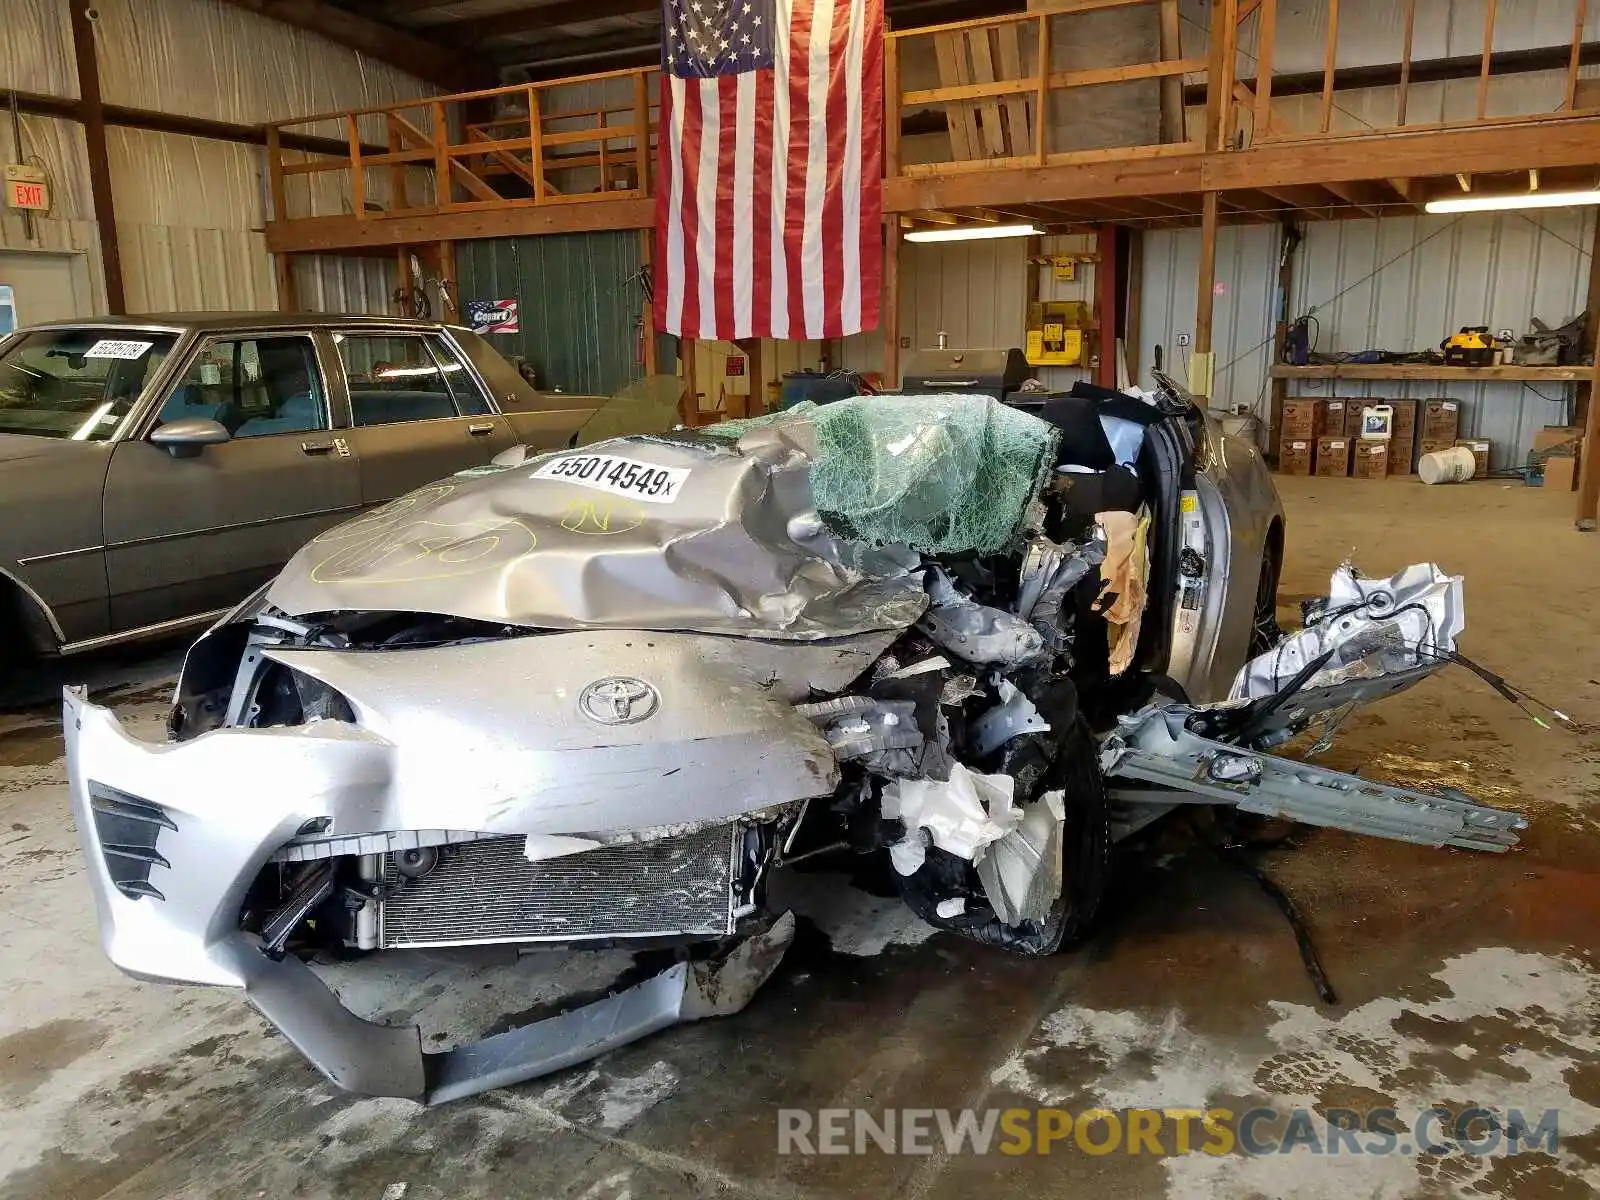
x=619 y=700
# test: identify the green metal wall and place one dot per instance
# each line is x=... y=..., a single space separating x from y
x=578 y=304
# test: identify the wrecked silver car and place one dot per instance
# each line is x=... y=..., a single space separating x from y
x=595 y=697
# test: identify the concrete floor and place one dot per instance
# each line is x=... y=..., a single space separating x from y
x=1463 y=978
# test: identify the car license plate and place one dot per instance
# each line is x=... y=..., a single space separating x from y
x=621 y=476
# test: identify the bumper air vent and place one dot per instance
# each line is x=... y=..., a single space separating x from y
x=127 y=829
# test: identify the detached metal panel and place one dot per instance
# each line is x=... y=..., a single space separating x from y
x=578 y=304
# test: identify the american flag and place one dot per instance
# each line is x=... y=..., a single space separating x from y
x=769 y=192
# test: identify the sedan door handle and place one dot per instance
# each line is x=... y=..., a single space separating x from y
x=480 y=428
x=316 y=447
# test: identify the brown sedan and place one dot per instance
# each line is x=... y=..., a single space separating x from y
x=155 y=470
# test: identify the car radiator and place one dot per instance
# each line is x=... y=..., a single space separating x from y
x=487 y=891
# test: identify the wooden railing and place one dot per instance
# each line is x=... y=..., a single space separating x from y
x=1004 y=104
x=564 y=141
x=1356 y=99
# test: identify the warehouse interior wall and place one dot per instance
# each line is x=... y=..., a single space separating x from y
x=1399 y=283
x=190 y=211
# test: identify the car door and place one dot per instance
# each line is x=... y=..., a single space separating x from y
x=191 y=533
x=417 y=414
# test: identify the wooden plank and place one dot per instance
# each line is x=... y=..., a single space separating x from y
x=892 y=107
x=1579 y=17
x=441 y=156
x=641 y=136
x=473 y=183
x=358 y=173
x=1589 y=398
x=951 y=57
x=536 y=146
x=505 y=158
x=1133 y=329
x=397 y=171
x=1106 y=314
x=1219 y=74
x=318 y=235
x=1427 y=371
x=1489 y=11
x=1329 y=65
x=1405 y=61
x=283 y=275
x=982 y=60
x=1083 y=6
x=1172 y=111
x=409 y=132
x=1103 y=75
x=1266 y=39
x=1041 y=103
x=1020 y=136
x=969 y=91
x=647 y=250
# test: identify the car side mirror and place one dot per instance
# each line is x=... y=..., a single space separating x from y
x=187 y=436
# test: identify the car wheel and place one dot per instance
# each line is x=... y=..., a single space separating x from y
x=1264 y=631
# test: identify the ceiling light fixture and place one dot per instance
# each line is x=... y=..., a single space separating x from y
x=1467 y=204
x=972 y=233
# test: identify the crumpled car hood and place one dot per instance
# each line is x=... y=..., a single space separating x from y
x=644 y=532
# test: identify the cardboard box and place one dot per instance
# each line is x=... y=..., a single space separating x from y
x=1405 y=415
x=1556 y=435
x=1301 y=420
x=1372 y=460
x=1333 y=455
x=1441 y=420
x=1295 y=456
x=1342 y=417
x=1561 y=474
x=1403 y=452
x=1433 y=445
x=1480 y=455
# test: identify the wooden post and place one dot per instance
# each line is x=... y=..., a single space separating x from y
x=1105 y=305
x=891 y=106
x=397 y=171
x=605 y=156
x=1405 y=61
x=1133 y=330
x=1174 y=120
x=358 y=176
x=1041 y=117
x=1579 y=17
x=1589 y=399
x=1219 y=73
x=1266 y=38
x=890 y=319
x=647 y=249
x=94 y=136
x=690 y=408
x=754 y=404
x=641 y=136
x=1204 y=298
x=441 y=156
x=536 y=145
x=1488 y=54
x=283 y=271
x=446 y=254
x=1329 y=63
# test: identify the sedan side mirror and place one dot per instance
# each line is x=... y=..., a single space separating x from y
x=185 y=437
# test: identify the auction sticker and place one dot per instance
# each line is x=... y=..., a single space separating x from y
x=115 y=348
x=620 y=476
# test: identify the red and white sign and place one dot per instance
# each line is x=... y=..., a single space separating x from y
x=27 y=187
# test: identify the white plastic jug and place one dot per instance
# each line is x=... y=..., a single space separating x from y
x=1454 y=465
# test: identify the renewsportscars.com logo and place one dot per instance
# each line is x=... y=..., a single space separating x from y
x=1165 y=1131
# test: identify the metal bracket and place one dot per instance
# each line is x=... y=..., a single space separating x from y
x=1155 y=747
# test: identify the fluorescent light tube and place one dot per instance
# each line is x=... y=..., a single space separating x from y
x=971 y=233
x=1465 y=204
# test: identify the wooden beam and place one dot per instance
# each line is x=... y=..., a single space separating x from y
x=1266 y=40
x=891 y=107
x=426 y=58
x=1106 y=311
x=1579 y=17
x=314 y=235
x=1173 y=120
x=647 y=252
x=1330 y=64
x=1404 y=83
x=94 y=131
x=1041 y=103
x=1224 y=34
x=1489 y=11
x=890 y=312
x=283 y=274
x=1134 y=321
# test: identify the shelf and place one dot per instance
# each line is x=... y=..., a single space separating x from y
x=1579 y=373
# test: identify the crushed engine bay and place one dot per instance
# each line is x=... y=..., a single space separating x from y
x=594 y=698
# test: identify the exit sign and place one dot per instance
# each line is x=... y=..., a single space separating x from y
x=27 y=187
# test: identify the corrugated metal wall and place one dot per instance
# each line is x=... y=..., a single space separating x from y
x=189 y=210
x=1399 y=283
x=578 y=304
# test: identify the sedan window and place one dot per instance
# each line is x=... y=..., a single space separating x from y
x=254 y=387
x=77 y=383
x=405 y=377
